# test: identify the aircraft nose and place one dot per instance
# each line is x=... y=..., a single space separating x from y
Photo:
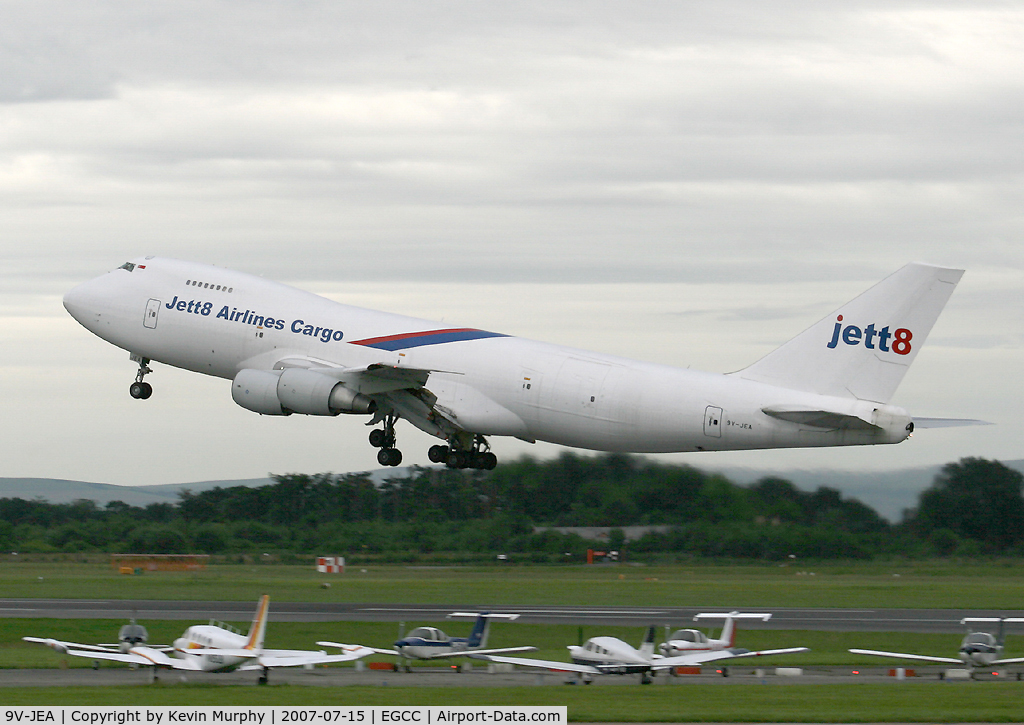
x=76 y=301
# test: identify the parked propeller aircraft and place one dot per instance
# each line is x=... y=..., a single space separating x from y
x=683 y=641
x=287 y=351
x=430 y=643
x=612 y=656
x=978 y=649
x=213 y=647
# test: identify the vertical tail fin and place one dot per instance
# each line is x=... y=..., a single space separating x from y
x=728 y=637
x=482 y=625
x=729 y=631
x=481 y=628
x=258 y=629
x=647 y=646
x=864 y=348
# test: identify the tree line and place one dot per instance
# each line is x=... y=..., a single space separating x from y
x=973 y=507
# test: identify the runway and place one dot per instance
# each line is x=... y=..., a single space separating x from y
x=836 y=620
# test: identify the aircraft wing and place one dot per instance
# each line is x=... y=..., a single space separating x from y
x=63 y=647
x=905 y=656
x=493 y=651
x=698 y=658
x=372 y=650
x=1008 y=661
x=138 y=656
x=369 y=379
x=541 y=664
x=298 y=658
x=768 y=652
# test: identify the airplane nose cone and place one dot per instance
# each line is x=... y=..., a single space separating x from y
x=73 y=302
x=77 y=301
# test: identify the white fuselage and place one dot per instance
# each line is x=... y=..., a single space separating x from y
x=610 y=652
x=192 y=646
x=217 y=322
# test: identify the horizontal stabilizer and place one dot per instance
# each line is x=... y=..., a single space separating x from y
x=947 y=422
x=763 y=616
x=828 y=419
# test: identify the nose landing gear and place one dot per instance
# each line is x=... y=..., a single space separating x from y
x=140 y=390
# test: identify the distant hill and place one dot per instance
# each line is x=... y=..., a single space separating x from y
x=56 y=490
x=887 y=492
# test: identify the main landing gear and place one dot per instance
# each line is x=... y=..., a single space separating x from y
x=466 y=453
x=478 y=456
x=384 y=438
x=140 y=390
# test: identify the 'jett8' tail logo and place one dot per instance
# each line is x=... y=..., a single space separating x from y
x=872 y=338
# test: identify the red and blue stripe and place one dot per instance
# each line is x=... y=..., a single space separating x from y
x=427 y=337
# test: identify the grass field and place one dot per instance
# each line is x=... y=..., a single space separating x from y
x=827 y=648
x=997 y=585
x=992 y=585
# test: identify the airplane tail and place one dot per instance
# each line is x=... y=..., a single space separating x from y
x=258 y=629
x=729 y=632
x=863 y=349
x=728 y=636
x=482 y=627
x=647 y=646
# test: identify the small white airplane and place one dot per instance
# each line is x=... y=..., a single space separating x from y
x=431 y=643
x=214 y=647
x=612 y=656
x=287 y=351
x=684 y=641
x=978 y=649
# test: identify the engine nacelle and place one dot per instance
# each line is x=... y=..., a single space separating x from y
x=296 y=390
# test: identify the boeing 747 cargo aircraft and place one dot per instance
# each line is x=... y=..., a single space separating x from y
x=287 y=352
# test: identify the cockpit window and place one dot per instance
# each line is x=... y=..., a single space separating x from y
x=127 y=265
x=979 y=638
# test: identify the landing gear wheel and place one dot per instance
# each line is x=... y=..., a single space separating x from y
x=377 y=438
x=456 y=459
x=477 y=456
x=140 y=390
x=389 y=457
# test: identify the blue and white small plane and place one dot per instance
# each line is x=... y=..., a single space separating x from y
x=431 y=643
x=287 y=352
x=612 y=656
x=213 y=647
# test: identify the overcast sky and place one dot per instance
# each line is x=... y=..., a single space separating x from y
x=686 y=182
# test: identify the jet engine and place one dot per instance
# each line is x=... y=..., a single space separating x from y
x=296 y=390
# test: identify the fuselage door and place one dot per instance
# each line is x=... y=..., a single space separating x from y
x=713 y=422
x=152 y=312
